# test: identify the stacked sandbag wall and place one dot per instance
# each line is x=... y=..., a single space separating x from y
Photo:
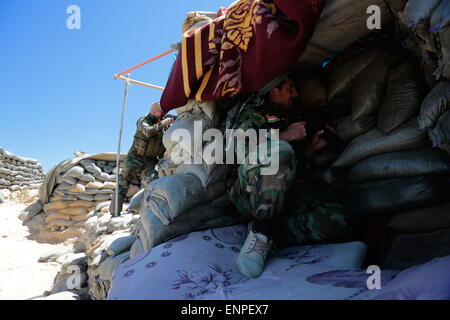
x=77 y=192
x=395 y=163
x=18 y=173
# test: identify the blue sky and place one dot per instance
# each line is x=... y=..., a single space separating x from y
x=58 y=92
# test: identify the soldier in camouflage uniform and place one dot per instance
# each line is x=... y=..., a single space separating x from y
x=280 y=208
x=144 y=154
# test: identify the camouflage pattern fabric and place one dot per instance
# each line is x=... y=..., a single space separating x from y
x=263 y=196
x=298 y=216
x=307 y=220
x=137 y=168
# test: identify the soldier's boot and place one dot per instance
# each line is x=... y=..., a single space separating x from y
x=112 y=206
x=252 y=257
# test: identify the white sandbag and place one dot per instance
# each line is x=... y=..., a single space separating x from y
x=136 y=248
x=136 y=201
x=74 y=259
x=30 y=211
x=169 y=196
x=200 y=217
x=120 y=245
x=69 y=179
x=199 y=171
x=75 y=172
x=106 y=269
x=87 y=177
x=90 y=166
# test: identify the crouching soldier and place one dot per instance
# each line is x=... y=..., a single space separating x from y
x=144 y=154
x=279 y=207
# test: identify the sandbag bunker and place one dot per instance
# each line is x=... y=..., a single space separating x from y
x=19 y=173
x=70 y=193
x=388 y=104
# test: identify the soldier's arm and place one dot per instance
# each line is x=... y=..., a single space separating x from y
x=147 y=129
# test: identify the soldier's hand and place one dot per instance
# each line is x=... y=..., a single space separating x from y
x=294 y=132
x=317 y=143
x=167 y=122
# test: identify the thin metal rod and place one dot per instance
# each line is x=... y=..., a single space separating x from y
x=147 y=61
x=122 y=117
x=148 y=85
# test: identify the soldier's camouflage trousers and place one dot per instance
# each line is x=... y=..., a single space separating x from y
x=137 y=169
x=292 y=207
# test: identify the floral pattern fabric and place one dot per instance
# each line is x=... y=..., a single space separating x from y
x=202 y=265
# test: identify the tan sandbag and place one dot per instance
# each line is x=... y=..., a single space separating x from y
x=56 y=216
x=56 y=205
x=77 y=188
x=81 y=203
x=82 y=217
x=108 y=185
x=94 y=185
x=74 y=210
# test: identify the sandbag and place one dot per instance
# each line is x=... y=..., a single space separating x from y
x=102 y=197
x=55 y=205
x=347 y=128
x=374 y=142
x=75 y=172
x=74 y=210
x=199 y=171
x=396 y=195
x=30 y=211
x=106 y=269
x=94 y=185
x=369 y=87
x=401 y=164
x=434 y=105
x=69 y=180
x=87 y=177
x=403 y=98
x=137 y=248
x=417 y=11
x=422 y=220
x=170 y=196
x=136 y=201
x=440 y=18
x=120 y=245
x=51 y=216
x=440 y=135
x=341 y=79
x=200 y=217
x=86 y=197
x=408 y=250
x=77 y=188
x=90 y=166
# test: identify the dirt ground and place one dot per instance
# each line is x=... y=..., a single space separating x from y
x=21 y=275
